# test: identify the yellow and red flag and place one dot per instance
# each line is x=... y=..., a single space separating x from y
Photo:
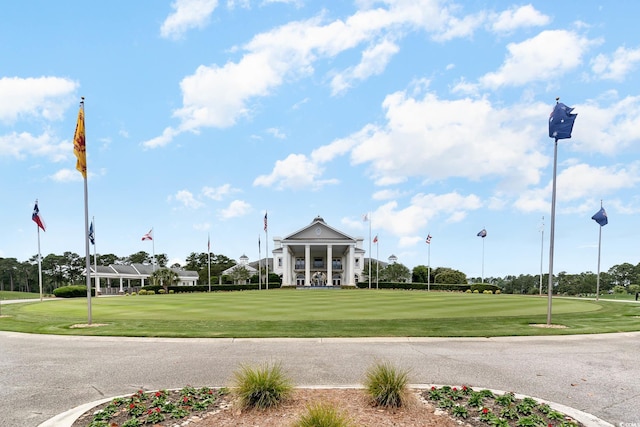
x=79 y=144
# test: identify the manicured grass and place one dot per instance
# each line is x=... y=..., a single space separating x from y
x=318 y=313
x=7 y=295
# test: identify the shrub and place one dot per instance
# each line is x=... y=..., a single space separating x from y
x=75 y=291
x=142 y=292
x=475 y=291
x=263 y=387
x=387 y=385
x=323 y=415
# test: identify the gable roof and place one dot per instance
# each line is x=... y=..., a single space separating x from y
x=318 y=230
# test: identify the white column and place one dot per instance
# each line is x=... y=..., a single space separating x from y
x=286 y=274
x=121 y=288
x=350 y=261
x=329 y=265
x=307 y=265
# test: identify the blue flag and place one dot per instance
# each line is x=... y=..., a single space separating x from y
x=601 y=217
x=561 y=121
x=92 y=236
x=482 y=233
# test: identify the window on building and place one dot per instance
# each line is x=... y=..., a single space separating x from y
x=318 y=263
x=357 y=262
x=279 y=262
x=336 y=263
x=299 y=263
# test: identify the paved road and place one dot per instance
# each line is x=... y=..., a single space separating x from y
x=42 y=375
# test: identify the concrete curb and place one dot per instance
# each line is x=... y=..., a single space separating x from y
x=67 y=418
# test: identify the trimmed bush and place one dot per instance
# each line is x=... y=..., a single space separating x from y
x=264 y=387
x=387 y=385
x=74 y=291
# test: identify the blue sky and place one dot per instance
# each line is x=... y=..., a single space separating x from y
x=431 y=116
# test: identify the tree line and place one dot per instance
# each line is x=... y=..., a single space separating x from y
x=67 y=269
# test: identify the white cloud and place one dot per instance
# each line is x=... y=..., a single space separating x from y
x=276 y=133
x=423 y=208
x=19 y=145
x=616 y=66
x=580 y=183
x=373 y=62
x=463 y=138
x=46 y=97
x=218 y=193
x=606 y=129
x=187 y=199
x=547 y=56
x=288 y=53
x=235 y=209
x=67 y=175
x=518 y=17
x=386 y=194
x=187 y=14
x=296 y=172
x=464 y=27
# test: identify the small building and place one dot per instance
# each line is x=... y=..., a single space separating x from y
x=241 y=279
x=135 y=276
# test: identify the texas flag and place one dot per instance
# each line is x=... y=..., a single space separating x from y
x=35 y=216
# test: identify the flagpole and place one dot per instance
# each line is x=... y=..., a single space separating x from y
x=96 y=279
x=259 y=265
x=39 y=260
x=209 y=259
x=428 y=264
x=266 y=237
x=377 y=262
x=599 y=247
x=369 y=218
x=483 y=258
x=541 y=253
x=153 y=249
x=552 y=231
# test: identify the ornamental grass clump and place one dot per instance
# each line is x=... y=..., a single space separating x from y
x=387 y=385
x=323 y=415
x=263 y=387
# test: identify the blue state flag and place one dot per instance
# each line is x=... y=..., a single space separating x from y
x=92 y=236
x=601 y=217
x=482 y=233
x=561 y=122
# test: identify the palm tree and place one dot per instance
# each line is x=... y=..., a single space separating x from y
x=164 y=277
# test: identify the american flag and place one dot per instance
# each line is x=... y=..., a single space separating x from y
x=265 y=221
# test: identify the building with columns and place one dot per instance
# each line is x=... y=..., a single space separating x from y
x=318 y=255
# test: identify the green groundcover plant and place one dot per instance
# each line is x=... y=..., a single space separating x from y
x=483 y=407
x=152 y=408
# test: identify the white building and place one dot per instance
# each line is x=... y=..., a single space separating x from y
x=318 y=255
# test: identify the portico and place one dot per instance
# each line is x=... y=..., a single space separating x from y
x=318 y=255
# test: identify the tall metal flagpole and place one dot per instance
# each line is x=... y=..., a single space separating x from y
x=552 y=229
x=377 y=261
x=483 y=258
x=266 y=237
x=367 y=218
x=153 y=248
x=39 y=260
x=541 y=252
x=428 y=262
x=209 y=259
x=599 y=247
x=96 y=279
x=80 y=150
x=259 y=265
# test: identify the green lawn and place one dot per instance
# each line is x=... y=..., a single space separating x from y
x=320 y=313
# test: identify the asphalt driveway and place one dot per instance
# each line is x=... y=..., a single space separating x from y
x=42 y=375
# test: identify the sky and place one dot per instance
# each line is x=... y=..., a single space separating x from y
x=429 y=116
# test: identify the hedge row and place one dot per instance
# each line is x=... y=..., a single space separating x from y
x=480 y=287
x=74 y=291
